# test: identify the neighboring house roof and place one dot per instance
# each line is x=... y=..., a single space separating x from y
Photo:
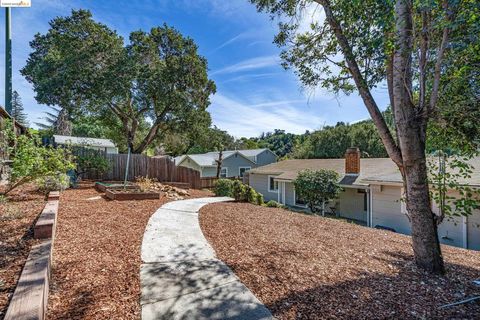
x=208 y=159
x=93 y=142
x=288 y=169
x=372 y=170
x=4 y=114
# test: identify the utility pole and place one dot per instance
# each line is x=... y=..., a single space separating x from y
x=8 y=60
x=8 y=4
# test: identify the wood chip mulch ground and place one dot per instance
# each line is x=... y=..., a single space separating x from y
x=306 y=267
x=97 y=255
x=18 y=212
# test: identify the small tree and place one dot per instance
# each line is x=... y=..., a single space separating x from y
x=31 y=160
x=316 y=187
x=18 y=112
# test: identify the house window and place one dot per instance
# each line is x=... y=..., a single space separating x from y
x=223 y=172
x=272 y=184
x=242 y=170
x=299 y=201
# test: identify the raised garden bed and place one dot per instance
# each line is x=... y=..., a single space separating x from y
x=131 y=194
x=103 y=186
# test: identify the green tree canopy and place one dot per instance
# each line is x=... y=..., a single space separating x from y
x=416 y=48
x=157 y=79
x=317 y=187
x=18 y=112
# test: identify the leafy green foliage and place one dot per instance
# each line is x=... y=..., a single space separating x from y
x=449 y=192
x=279 y=142
x=59 y=182
x=273 y=204
x=90 y=160
x=223 y=188
x=316 y=187
x=158 y=80
x=260 y=200
x=332 y=141
x=18 y=112
x=239 y=191
x=32 y=161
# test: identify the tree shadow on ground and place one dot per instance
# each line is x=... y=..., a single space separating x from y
x=192 y=287
x=408 y=294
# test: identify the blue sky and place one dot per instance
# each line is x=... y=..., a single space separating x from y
x=254 y=93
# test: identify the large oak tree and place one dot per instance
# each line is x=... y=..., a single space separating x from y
x=157 y=79
x=411 y=46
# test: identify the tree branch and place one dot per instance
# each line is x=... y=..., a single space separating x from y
x=377 y=117
x=438 y=63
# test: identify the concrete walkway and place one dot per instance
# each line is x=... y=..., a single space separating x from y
x=180 y=276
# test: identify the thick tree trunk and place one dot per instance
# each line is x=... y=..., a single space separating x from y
x=409 y=151
x=426 y=246
x=411 y=133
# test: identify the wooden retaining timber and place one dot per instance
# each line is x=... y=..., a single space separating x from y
x=130 y=195
x=45 y=226
x=29 y=301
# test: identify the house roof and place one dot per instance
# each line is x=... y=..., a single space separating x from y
x=4 y=114
x=288 y=169
x=208 y=159
x=93 y=142
x=372 y=170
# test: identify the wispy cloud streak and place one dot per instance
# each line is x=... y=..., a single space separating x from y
x=250 y=64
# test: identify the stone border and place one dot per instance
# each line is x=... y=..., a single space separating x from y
x=29 y=301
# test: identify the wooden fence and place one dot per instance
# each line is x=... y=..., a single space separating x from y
x=209 y=182
x=163 y=169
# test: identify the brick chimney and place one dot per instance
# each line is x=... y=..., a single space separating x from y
x=352 y=161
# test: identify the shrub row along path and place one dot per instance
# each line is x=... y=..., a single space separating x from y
x=96 y=259
x=180 y=276
x=307 y=267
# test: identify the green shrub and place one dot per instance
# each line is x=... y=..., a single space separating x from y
x=260 y=201
x=317 y=187
x=250 y=195
x=58 y=182
x=239 y=190
x=224 y=188
x=273 y=204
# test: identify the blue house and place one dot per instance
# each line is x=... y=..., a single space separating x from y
x=234 y=162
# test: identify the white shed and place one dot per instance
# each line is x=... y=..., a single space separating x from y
x=93 y=143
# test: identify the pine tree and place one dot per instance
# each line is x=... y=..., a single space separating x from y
x=18 y=111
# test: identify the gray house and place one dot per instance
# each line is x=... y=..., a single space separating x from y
x=372 y=193
x=234 y=162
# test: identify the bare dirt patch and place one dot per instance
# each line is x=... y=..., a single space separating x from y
x=97 y=255
x=305 y=267
x=18 y=213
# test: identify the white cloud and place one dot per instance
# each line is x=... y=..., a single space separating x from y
x=240 y=36
x=250 y=64
x=244 y=119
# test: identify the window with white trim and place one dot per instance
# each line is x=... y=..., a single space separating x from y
x=272 y=184
x=298 y=200
x=223 y=172
x=242 y=170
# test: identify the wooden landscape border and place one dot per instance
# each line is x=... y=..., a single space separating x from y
x=139 y=195
x=30 y=299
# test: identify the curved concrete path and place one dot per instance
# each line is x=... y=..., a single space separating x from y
x=180 y=276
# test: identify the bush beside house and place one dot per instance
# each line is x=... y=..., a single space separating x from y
x=237 y=190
